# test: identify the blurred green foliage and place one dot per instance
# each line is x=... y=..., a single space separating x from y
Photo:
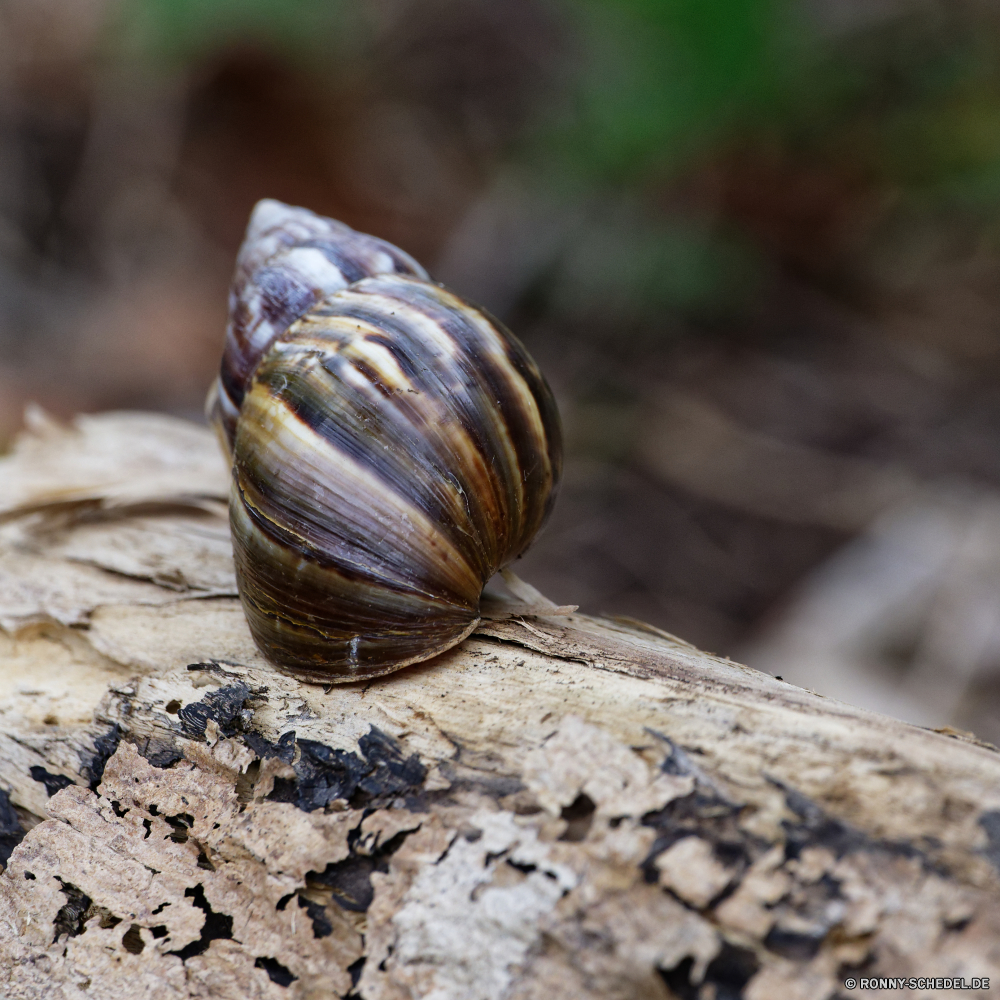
x=901 y=111
x=649 y=92
x=648 y=84
x=656 y=80
x=928 y=103
x=174 y=34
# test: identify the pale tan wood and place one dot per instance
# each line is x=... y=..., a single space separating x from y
x=561 y=807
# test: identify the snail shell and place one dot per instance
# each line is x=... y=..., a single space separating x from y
x=392 y=448
x=290 y=259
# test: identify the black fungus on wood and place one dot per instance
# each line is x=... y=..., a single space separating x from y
x=277 y=972
x=71 y=917
x=217 y=925
x=725 y=976
x=283 y=749
x=350 y=880
x=11 y=831
x=224 y=706
x=324 y=774
x=104 y=747
x=52 y=782
x=160 y=753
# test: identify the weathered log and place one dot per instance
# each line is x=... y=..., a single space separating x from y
x=560 y=807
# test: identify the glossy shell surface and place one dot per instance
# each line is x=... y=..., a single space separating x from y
x=289 y=260
x=393 y=449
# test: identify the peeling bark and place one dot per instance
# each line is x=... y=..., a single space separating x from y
x=561 y=807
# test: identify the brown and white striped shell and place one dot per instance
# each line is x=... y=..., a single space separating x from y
x=392 y=448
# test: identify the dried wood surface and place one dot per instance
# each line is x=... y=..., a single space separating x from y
x=562 y=807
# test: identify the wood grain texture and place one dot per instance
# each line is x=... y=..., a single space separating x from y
x=559 y=807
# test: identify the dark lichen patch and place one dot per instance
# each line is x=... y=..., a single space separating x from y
x=161 y=753
x=132 y=940
x=524 y=867
x=104 y=748
x=217 y=926
x=246 y=784
x=390 y=772
x=794 y=945
x=105 y=918
x=678 y=980
x=355 y=969
x=52 y=782
x=463 y=776
x=324 y=774
x=284 y=790
x=817 y=829
x=277 y=973
x=179 y=824
x=11 y=831
x=322 y=925
x=579 y=815
x=350 y=881
x=731 y=970
x=677 y=761
x=706 y=815
x=990 y=822
x=283 y=749
x=224 y=706
x=70 y=918
x=804 y=918
x=725 y=977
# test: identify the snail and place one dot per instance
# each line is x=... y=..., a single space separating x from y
x=392 y=447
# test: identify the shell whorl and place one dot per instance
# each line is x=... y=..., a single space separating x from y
x=290 y=259
x=393 y=448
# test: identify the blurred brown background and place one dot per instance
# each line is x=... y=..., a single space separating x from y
x=752 y=243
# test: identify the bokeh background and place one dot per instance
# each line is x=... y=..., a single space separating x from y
x=754 y=244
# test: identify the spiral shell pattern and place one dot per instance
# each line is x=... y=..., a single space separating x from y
x=289 y=260
x=393 y=449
